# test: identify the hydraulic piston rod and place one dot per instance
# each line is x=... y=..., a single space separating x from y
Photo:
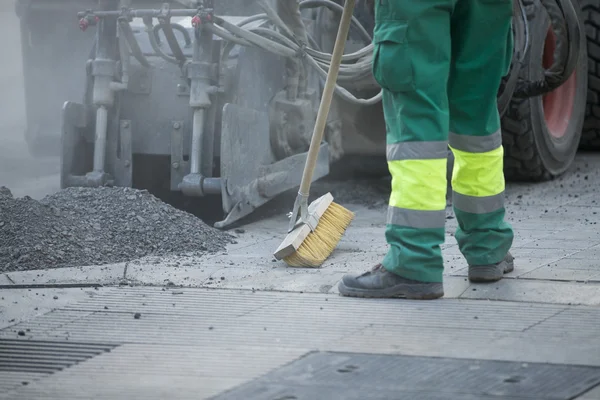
x=197 y=139
x=100 y=139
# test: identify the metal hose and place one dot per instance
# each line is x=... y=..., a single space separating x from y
x=568 y=32
x=282 y=40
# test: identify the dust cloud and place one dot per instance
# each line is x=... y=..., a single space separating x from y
x=23 y=173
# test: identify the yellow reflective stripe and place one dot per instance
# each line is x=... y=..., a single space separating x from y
x=478 y=174
x=418 y=184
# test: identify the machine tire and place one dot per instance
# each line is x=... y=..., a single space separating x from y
x=541 y=134
x=590 y=138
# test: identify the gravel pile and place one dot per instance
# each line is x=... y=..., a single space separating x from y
x=84 y=226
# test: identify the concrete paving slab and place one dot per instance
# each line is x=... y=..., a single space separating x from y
x=568 y=212
x=279 y=279
x=536 y=291
x=161 y=274
x=17 y=305
x=549 y=194
x=580 y=323
x=5 y=280
x=523 y=265
x=109 y=274
x=587 y=200
x=577 y=263
x=39 y=326
x=591 y=253
x=527 y=347
x=537 y=224
x=581 y=233
x=555 y=253
x=553 y=272
x=12 y=379
x=593 y=394
x=563 y=243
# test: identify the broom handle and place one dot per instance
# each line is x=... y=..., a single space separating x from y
x=336 y=60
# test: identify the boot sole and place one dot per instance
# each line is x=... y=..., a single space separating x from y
x=429 y=291
x=490 y=273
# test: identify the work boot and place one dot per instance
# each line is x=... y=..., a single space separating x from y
x=379 y=282
x=493 y=272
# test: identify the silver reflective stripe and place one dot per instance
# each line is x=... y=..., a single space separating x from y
x=421 y=219
x=478 y=205
x=417 y=151
x=475 y=144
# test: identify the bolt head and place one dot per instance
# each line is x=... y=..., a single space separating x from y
x=127 y=163
x=125 y=124
x=175 y=165
x=176 y=125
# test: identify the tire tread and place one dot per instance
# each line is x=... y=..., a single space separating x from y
x=590 y=137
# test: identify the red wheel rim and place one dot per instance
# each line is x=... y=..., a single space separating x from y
x=558 y=104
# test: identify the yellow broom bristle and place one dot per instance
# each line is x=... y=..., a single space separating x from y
x=319 y=244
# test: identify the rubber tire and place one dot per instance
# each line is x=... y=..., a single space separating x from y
x=530 y=152
x=590 y=138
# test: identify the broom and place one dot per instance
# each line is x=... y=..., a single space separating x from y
x=322 y=224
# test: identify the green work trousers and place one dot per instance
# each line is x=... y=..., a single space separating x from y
x=440 y=63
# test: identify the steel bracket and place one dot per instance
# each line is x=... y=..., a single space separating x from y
x=180 y=167
x=121 y=155
x=203 y=70
x=250 y=172
x=102 y=67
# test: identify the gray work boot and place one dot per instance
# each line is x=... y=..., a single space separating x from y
x=493 y=272
x=379 y=282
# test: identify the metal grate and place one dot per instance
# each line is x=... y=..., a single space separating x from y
x=22 y=361
x=376 y=376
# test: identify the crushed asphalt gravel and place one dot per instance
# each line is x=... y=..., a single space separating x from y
x=95 y=226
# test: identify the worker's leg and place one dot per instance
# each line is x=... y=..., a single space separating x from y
x=411 y=62
x=481 y=52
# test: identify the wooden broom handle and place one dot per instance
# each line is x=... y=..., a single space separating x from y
x=336 y=60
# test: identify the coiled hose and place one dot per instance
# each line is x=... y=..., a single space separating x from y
x=568 y=33
x=357 y=65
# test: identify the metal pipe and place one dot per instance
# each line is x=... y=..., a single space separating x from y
x=197 y=137
x=211 y=185
x=100 y=139
x=124 y=56
x=139 y=13
x=133 y=43
x=167 y=29
x=125 y=62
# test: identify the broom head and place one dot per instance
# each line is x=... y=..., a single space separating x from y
x=303 y=248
